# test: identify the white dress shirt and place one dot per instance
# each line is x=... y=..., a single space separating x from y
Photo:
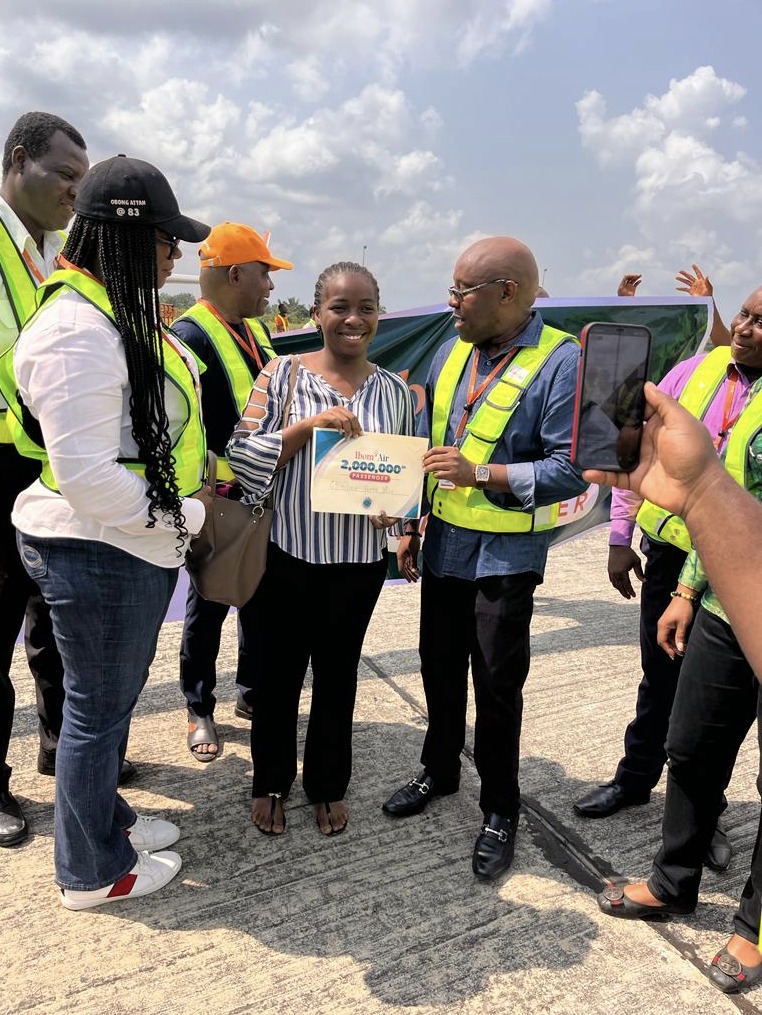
x=72 y=374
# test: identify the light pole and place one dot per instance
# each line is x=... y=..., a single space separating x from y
x=364 y=248
x=544 y=273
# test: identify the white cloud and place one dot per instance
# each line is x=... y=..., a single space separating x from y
x=690 y=104
x=489 y=25
x=626 y=260
x=690 y=200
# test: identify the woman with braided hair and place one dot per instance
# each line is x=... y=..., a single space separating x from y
x=329 y=568
x=110 y=405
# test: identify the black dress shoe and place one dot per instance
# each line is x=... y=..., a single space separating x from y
x=608 y=799
x=46 y=765
x=128 y=772
x=720 y=851
x=414 y=796
x=13 y=826
x=46 y=761
x=493 y=852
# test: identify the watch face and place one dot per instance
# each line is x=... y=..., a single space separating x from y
x=482 y=474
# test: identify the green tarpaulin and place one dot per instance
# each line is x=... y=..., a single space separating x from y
x=405 y=344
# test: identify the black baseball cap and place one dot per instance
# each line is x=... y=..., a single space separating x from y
x=122 y=189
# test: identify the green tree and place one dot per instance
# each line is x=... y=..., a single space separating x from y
x=183 y=301
x=297 y=313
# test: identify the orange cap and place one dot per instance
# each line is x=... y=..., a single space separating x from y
x=232 y=243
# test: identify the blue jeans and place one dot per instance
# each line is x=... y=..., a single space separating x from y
x=107 y=608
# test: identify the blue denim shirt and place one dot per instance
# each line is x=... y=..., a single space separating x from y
x=536 y=445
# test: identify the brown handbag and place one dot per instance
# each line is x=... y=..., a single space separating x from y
x=227 y=559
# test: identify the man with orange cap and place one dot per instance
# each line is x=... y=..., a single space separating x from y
x=232 y=345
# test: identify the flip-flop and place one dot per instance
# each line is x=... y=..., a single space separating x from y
x=201 y=730
x=273 y=804
x=333 y=831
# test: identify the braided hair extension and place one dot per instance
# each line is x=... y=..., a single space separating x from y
x=124 y=257
x=343 y=268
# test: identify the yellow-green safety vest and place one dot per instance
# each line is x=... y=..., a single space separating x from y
x=189 y=448
x=466 y=506
x=21 y=288
x=232 y=360
x=748 y=425
x=697 y=395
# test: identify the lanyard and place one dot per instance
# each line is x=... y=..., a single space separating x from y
x=474 y=394
x=727 y=422
x=63 y=263
x=33 y=267
x=250 y=345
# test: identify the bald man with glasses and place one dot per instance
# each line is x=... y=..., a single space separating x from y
x=498 y=412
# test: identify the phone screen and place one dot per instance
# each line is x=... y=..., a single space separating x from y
x=608 y=417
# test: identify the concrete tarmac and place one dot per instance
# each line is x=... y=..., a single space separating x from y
x=387 y=918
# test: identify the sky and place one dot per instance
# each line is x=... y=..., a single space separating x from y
x=608 y=136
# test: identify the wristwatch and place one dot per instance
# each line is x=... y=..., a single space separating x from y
x=482 y=476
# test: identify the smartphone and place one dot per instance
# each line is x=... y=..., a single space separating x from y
x=610 y=402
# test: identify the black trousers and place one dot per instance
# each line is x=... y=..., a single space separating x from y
x=200 y=647
x=304 y=613
x=21 y=601
x=717 y=700
x=487 y=622
x=645 y=737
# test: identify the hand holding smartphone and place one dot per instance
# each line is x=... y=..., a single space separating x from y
x=610 y=403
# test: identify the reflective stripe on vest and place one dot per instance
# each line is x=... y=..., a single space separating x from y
x=697 y=395
x=748 y=425
x=188 y=450
x=465 y=506
x=232 y=360
x=20 y=287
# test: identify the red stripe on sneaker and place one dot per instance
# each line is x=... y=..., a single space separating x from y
x=123 y=886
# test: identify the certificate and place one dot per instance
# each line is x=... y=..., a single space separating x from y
x=368 y=474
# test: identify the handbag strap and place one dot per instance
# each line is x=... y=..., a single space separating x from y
x=291 y=385
x=211 y=458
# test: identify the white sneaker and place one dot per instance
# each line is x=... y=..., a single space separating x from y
x=151 y=834
x=151 y=872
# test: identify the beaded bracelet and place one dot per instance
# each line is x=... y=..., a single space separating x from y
x=677 y=594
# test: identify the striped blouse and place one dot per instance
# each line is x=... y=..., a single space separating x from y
x=382 y=404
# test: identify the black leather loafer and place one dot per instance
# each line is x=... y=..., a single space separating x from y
x=46 y=765
x=613 y=902
x=720 y=851
x=493 y=852
x=608 y=799
x=13 y=826
x=730 y=974
x=415 y=796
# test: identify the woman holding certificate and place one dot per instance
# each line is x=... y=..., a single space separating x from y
x=324 y=571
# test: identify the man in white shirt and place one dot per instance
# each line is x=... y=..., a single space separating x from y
x=44 y=159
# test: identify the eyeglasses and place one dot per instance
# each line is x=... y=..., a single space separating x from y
x=172 y=242
x=459 y=294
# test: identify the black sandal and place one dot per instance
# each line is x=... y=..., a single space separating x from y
x=274 y=797
x=333 y=831
x=201 y=730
